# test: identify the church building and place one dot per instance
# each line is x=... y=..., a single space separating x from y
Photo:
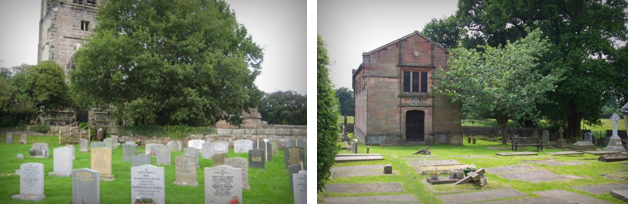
x=394 y=100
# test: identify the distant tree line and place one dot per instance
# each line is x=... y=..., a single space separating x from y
x=284 y=107
x=346 y=101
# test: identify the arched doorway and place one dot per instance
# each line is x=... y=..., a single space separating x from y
x=415 y=126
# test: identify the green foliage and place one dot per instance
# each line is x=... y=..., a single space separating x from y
x=40 y=128
x=445 y=31
x=346 y=101
x=168 y=62
x=173 y=131
x=326 y=118
x=287 y=108
x=499 y=83
x=144 y=200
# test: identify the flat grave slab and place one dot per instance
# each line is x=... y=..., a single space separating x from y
x=364 y=187
x=358 y=158
x=481 y=196
x=570 y=197
x=537 y=176
x=433 y=162
x=516 y=153
x=476 y=156
x=556 y=163
x=511 y=168
x=405 y=198
x=625 y=164
x=358 y=168
x=604 y=188
x=356 y=155
x=564 y=153
x=345 y=174
x=425 y=169
x=617 y=175
x=620 y=194
x=540 y=200
x=601 y=152
x=441 y=180
x=503 y=148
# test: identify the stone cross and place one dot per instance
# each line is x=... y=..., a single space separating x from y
x=615 y=118
x=560 y=132
x=614 y=143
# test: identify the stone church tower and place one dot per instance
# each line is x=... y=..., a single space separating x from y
x=63 y=26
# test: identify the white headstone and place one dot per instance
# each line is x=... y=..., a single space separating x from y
x=31 y=182
x=151 y=148
x=147 y=181
x=9 y=138
x=242 y=164
x=23 y=139
x=62 y=162
x=299 y=187
x=163 y=155
x=614 y=143
x=73 y=151
x=221 y=147
x=192 y=152
x=175 y=145
x=185 y=171
x=242 y=146
x=207 y=151
x=83 y=145
x=198 y=144
x=223 y=184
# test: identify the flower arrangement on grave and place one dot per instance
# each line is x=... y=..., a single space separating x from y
x=469 y=168
x=235 y=200
x=142 y=200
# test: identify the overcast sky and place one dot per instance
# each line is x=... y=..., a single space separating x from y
x=279 y=26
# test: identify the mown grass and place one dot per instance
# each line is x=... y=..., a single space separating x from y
x=607 y=124
x=350 y=119
x=398 y=156
x=267 y=186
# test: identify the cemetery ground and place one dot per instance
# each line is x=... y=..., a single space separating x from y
x=579 y=170
x=267 y=186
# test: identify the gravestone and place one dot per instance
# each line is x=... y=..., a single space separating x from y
x=85 y=186
x=243 y=165
x=175 y=145
x=73 y=152
x=198 y=144
x=613 y=157
x=141 y=159
x=31 y=182
x=20 y=156
x=361 y=188
x=481 y=196
x=257 y=159
x=185 y=171
x=242 y=146
x=221 y=147
x=23 y=139
x=275 y=150
x=108 y=143
x=130 y=143
x=588 y=137
x=404 y=198
x=614 y=143
x=267 y=148
x=128 y=152
x=163 y=155
x=151 y=149
x=294 y=169
x=223 y=184
x=115 y=141
x=300 y=187
x=147 y=181
x=355 y=145
x=101 y=162
x=83 y=145
x=192 y=152
x=561 y=143
x=208 y=150
x=39 y=150
x=545 y=138
x=97 y=145
x=9 y=138
x=388 y=169
x=62 y=162
x=218 y=159
x=294 y=155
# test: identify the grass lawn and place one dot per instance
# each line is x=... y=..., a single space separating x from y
x=341 y=119
x=607 y=124
x=398 y=156
x=267 y=186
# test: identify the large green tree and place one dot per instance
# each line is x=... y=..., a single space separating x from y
x=346 y=101
x=326 y=118
x=499 y=83
x=284 y=107
x=168 y=62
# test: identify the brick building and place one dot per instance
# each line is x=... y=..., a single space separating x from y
x=394 y=101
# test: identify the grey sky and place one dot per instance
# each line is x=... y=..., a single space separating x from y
x=279 y=26
x=350 y=27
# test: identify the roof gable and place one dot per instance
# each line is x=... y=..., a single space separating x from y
x=403 y=38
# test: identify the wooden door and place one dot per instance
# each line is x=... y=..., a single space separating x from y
x=415 y=126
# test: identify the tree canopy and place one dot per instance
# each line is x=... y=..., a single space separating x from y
x=168 y=62
x=346 y=101
x=284 y=107
x=327 y=129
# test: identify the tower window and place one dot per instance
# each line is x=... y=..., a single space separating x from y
x=91 y=2
x=77 y=1
x=85 y=25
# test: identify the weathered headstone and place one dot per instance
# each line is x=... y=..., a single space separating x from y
x=151 y=149
x=294 y=169
x=175 y=145
x=243 y=164
x=355 y=145
x=223 y=184
x=31 y=182
x=128 y=152
x=108 y=143
x=101 y=162
x=256 y=158
x=545 y=138
x=388 y=169
x=97 y=145
x=294 y=155
x=198 y=144
x=20 y=156
x=9 y=138
x=23 y=139
x=613 y=157
x=218 y=159
x=39 y=150
x=275 y=150
x=192 y=152
x=185 y=171
x=588 y=137
x=266 y=146
x=299 y=187
x=115 y=141
x=561 y=143
x=221 y=147
x=62 y=162
x=208 y=150
x=85 y=186
x=130 y=142
x=73 y=151
x=163 y=155
x=141 y=159
x=614 y=143
x=83 y=145
x=242 y=146
x=147 y=181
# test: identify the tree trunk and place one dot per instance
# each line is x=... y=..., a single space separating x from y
x=503 y=122
x=573 y=122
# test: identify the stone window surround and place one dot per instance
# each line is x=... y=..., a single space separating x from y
x=412 y=70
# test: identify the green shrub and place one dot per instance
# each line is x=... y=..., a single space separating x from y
x=327 y=119
x=173 y=131
x=40 y=128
